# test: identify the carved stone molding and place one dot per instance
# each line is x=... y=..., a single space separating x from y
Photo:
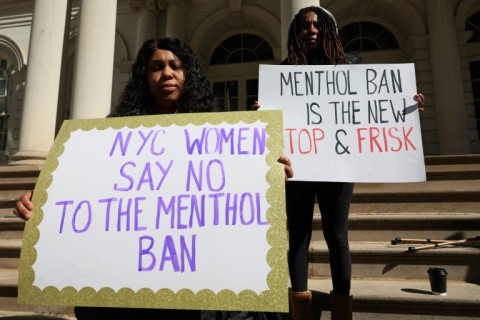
x=136 y=5
x=235 y=6
x=163 y=4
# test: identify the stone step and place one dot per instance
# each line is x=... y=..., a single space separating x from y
x=380 y=260
x=18 y=183
x=449 y=196
x=8 y=282
x=428 y=191
x=430 y=196
x=8 y=297
x=416 y=207
x=406 y=298
x=452 y=159
x=19 y=171
x=19 y=315
x=435 y=164
x=10 y=253
x=8 y=198
x=369 y=259
x=362 y=227
x=9 y=306
x=453 y=172
x=11 y=227
x=387 y=226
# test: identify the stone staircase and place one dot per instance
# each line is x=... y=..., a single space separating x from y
x=389 y=281
x=392 y=280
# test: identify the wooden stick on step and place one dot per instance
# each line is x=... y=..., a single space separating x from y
x=398 y=240
x=437 y=245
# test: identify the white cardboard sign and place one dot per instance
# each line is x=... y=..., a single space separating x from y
x=350 y=123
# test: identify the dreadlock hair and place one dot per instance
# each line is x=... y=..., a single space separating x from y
x=137 y=99
x=330 y=49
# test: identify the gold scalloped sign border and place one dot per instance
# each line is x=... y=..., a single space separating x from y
x=275 y=299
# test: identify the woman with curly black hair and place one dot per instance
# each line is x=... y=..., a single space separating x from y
x=164 y=79
x=144 y=92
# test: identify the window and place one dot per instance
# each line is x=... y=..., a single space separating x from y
x=242 y=48
x=227 y=95
x=4 y=94
x=233 y=70
x=252 y=91
x=473 y=24
x=475 y=75
x=367 y=36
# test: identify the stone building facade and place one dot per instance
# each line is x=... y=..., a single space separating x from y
x=63 y=59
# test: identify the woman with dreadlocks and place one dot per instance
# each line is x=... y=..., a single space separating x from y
x=313 y=40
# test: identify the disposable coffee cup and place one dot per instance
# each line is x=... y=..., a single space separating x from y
x=438 y=281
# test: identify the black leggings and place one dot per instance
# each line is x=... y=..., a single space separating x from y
x=334 y=201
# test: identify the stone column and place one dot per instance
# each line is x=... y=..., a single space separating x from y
x=176 y=15
x=92 y=85
x=288 y=9
x=147 y=22
x=447 y=79
x=37 y=130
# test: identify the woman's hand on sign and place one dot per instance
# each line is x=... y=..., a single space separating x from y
x=255 y=105
x=421 y=100
x=23 y=207
x=288 y=167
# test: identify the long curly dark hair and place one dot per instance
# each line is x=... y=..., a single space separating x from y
x=329 y=51
x=136 y=98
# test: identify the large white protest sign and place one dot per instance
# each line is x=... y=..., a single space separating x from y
x=171 y=211
x=350 y=123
